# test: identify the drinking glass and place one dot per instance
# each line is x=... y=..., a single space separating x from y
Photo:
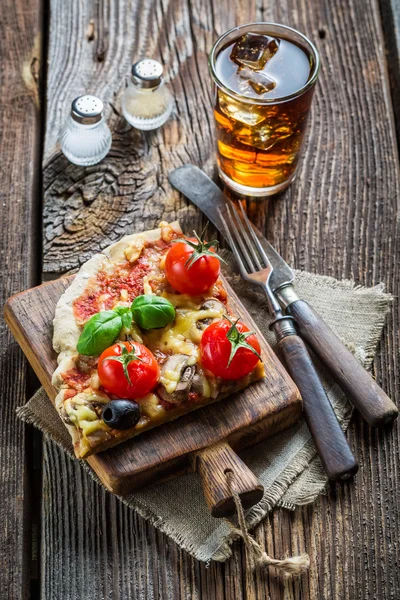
x=259 y=135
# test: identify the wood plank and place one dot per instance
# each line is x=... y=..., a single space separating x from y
x=390 y=12
x=338 y=218
x=260 y=410
x=20 y=27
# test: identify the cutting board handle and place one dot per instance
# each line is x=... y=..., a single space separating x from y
x=212 y=464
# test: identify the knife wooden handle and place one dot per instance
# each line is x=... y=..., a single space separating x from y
x=364 y=393
x=330 y=441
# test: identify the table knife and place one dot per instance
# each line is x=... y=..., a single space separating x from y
x=255 y=267
x=358 y=385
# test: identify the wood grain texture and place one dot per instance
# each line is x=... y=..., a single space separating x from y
x=390 y=13
x=20 y=50
x=263 y=408
x=340 y=218
x=87 y=209
x=212 y=464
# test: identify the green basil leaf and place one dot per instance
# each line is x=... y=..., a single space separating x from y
x=151 y=312
x=127 y=319
x=99 y=332
x=121 y=310
x=126 y=315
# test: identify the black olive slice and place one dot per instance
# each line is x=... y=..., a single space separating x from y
x=121 y=414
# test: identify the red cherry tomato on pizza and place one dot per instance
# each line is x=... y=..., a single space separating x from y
x=192 y=266
x=128 y=370
x=229 y=350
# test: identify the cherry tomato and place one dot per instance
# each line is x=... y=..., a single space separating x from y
x=128 y=370
x=193 y=279
x=222 y=339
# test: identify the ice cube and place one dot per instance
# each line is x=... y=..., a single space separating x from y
x=239 y=111
x=260 y=82
x=270 y=133
x=254 y=51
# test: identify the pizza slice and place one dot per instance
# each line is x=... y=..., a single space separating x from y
x=144 y=335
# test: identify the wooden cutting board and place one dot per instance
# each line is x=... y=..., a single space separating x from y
x=261 y=410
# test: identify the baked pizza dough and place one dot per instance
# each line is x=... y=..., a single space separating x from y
x=126 y=269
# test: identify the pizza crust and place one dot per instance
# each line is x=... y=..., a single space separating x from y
x=66 y=330
x=66 y=334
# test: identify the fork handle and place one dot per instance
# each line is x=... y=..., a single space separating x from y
x=330 y=441
x=364 y=393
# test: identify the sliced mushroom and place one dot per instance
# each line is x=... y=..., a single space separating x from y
x=200 y=384
x=176 y=379
x=213 y=304
x=185 y=382
x=174 y=365
x=210 y=304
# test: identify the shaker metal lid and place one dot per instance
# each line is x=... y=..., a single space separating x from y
x=87 y=109
x=147 y=73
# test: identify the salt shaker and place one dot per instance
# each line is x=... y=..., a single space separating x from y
x=147 y=103
x=86 y=137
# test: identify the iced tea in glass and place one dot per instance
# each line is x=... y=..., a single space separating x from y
x=265 y=76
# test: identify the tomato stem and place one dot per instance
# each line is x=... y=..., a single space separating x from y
x=238 y=339
x=125 y=359
x=201 y=248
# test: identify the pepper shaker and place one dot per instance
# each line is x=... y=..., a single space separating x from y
x=86 y=137
x=147 y=103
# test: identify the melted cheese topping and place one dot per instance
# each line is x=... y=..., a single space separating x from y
x=170 y=377
x=82 y=415
x=151 y=408
x=170 y=380
x=124 y=295
x=183 y=300
x=146 y=285
x=134 y=250
x=183 y=337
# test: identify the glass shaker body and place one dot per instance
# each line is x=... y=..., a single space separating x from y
x=147 y=108
x=86 y=137
x=85 y=144
x=147 y=103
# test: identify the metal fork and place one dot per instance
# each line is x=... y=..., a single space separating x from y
x=255 y=267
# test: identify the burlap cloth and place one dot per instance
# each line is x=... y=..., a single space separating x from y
x=286 y=464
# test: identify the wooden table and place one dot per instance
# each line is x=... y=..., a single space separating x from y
x=62 y=536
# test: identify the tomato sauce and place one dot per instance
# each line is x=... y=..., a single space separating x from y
x=86 y=305
x=194 y=397
x=166 y=405
x=219 y=292
x=76 y=380
x=126 y=278
x=106 y=288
